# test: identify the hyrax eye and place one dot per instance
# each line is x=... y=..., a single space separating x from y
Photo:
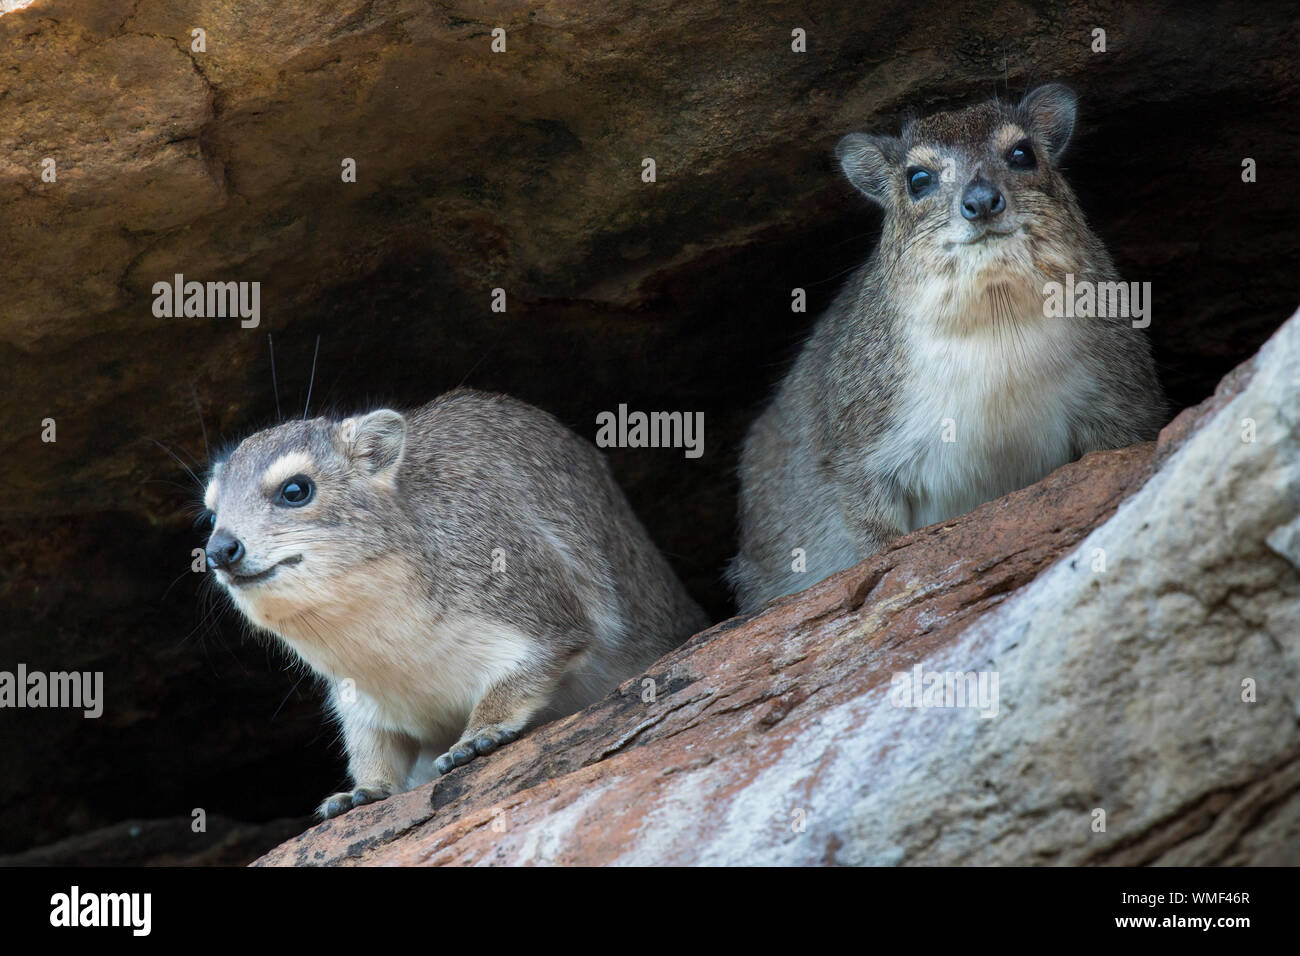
x=918 y=181
x=296 y=491
x=1021 y=156
x=208 y=519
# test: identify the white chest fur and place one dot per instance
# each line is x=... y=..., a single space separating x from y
x=985 y=410
x=421 y=671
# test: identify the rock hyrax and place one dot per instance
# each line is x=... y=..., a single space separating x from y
x=455 y=574
x=939 y=379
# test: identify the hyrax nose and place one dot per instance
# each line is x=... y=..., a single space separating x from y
x=224 y=550
x=981 y=200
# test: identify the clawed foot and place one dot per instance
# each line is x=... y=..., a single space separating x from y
x=475 y=745
x=343 y=802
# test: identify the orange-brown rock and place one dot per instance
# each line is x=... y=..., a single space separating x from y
x=1144 y=624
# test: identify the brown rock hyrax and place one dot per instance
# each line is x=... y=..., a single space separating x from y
x=455 y=574
x=944 y=375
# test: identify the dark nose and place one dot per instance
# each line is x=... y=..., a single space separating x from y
x=224 y=550
x=981 y=200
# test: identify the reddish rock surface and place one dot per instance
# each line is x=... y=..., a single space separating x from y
x=1121 y=602
x=734 y=695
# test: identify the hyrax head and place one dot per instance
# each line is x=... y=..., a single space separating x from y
x=977 y=186
x=298 y=506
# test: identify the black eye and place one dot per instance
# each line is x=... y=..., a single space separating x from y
x=918 y=180
x=208 y=519
x=297 y=491
x=1022 y=156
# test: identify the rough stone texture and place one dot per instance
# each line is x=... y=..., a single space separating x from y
x=477 y=171
x=1120 y=689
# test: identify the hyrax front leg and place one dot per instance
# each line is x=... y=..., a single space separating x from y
x=379 y=761
x=874 y=513
x=501 y=715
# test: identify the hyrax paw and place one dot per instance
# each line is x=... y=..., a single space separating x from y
x=343 y=802
x=477 y=744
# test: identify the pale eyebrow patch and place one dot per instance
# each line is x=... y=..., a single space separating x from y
x=925 y=156
x=1008 y=135
x=286 y=466
x=210 y=495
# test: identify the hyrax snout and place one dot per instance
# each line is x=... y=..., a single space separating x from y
x=455 y=574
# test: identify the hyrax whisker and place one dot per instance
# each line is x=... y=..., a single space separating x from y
x=176 y=458
x=275 y=387
x=194 y=393
x=311 y=381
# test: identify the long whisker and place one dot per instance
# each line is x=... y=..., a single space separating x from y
x=274 y=386
x=211 y=609
x=312 y=380
x=287 y=696
x=176 y=459
x=207 y=455
x=175 y=582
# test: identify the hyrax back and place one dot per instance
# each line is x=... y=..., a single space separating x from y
x=455 y=574
x=938 y=379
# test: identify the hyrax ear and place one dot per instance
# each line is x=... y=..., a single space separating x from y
x=867 y=161
x=1051 y=111
x=373 y=442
